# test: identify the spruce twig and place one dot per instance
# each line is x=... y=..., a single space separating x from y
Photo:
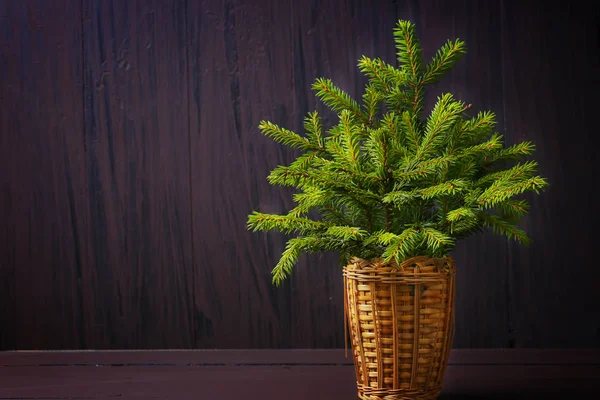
x=403 y=183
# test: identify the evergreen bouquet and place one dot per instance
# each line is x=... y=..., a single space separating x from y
x=388 y=181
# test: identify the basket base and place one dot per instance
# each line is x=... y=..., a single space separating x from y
x=398 y=394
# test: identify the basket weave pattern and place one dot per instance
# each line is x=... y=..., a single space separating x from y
x=401 y=325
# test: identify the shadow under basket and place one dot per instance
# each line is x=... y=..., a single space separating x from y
x=401 y=324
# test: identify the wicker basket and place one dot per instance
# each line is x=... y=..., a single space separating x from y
x=401 y=320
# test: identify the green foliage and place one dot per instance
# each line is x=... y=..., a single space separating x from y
x=447 y=56
x=387 y=181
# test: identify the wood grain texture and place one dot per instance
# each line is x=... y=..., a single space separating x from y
x=250 y=61
x=130 y=158
x=299 y=374
x=138 y=277
x=250 y=357
x=550 y=69
x=295 y=382
x=42 y=184
x=265 y=70
x=481 y=281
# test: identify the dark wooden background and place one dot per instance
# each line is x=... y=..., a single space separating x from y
x=130 y=158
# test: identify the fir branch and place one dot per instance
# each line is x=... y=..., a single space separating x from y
x=437 y=162
x=351 y=142
x=462 y=219
x=450 y=187
x=444 y=114
x=355 y=211
x=408 y=49
x=484 y=148
x=410 y=59
x=284 y=136
x=377 y=149
x=294 y=249
x=314 y=129
x=380 y=237
x=335 y=132
x=294 y=176
x=345 y=232
x=407 y=176
x=371 y=100
x=286 y=176
x=333 y=212
x=470 y=198
x=497 y=193
x=398 y=77
x=418 y=98
x=516 y=173
x=466 y=227
x=367 y=178
x=400 y=197
x=401 y=99
x=400 y=246
x=513 y=209
x=412 y=170
x=311 y=198
x=284 y=223
x=288 y=260
x=466 y=169
x=437 y=240
x=337 y=152
x=513 y=152
x=412 y=135
x=473 y=129
x=372 y=68
x=503 y=227
x=446 y=57
x=337 y=99
x=383 y=76
x=305 y=161
x=460 y=213
x=391 y=123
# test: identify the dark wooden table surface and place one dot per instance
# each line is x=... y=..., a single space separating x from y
x=282 y=374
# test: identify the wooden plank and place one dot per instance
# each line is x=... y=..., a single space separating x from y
x=550 y=90
x=294 y=382
x=177 y=357
x=481 y=261
x=256 y=60
x=286 y=357
x=139 y=275
x=42 y=180
x=248 y=61
x=219 y=189
x=326 y=40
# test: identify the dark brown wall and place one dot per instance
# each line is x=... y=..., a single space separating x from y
x=130 y=158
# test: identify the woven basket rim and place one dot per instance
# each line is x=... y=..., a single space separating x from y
x=412 y=266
